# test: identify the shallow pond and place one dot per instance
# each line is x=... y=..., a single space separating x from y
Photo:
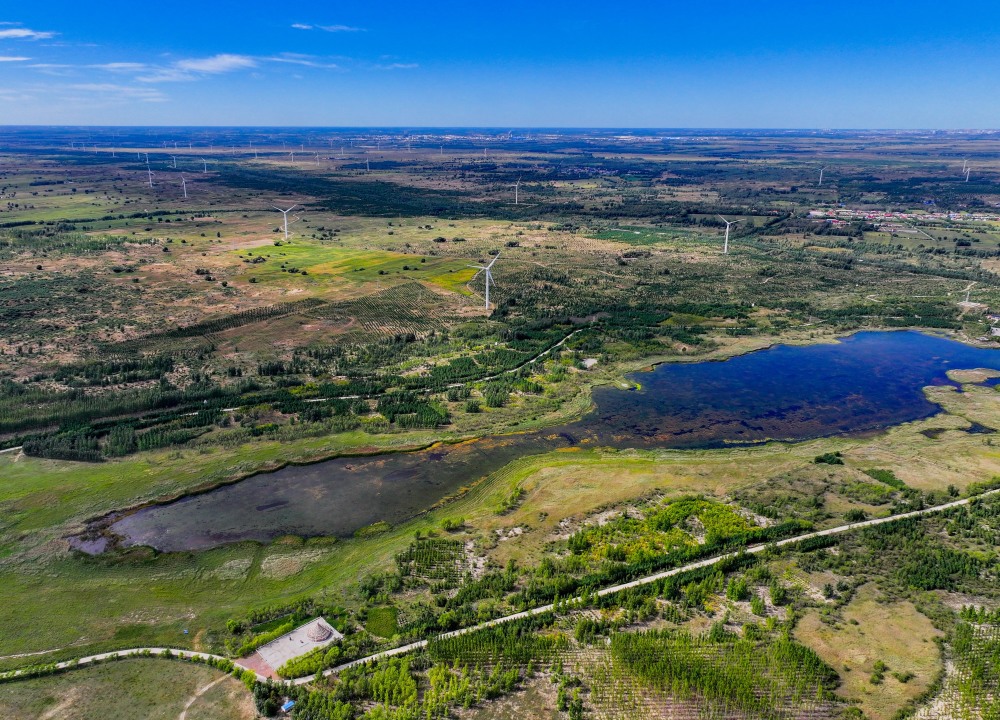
x=866 y=382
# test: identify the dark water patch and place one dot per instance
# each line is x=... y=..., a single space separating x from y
x=271 y=505
x=933 y=433
x=865 y=383
x=977 y=429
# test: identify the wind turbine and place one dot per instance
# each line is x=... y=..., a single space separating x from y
x=821 y=176
x=967 y=171
x=205 y=163
x=150 y=171
x=725 y=247
x=184 y=185
x=517 y=185
x=285 y=213
x=489 y=276
x=174 y=158
x=965 y=165
x=368 y=166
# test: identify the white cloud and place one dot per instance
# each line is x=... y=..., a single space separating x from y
x=18 y=33
x=397 y=66
x=124 y=92
x=304 y=60
x=222 y=63
x=193 y=68
x=327 y=28
x=13 y=58
x=124 y=67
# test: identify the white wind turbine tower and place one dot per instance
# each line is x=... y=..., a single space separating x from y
x=368 y=166
x=150 y=171
x=821 y=176
x=967 y=171
x=489 y=276
x=965 y=165
x=174 y=159
x=725 y=247
x=204 y=162
x=184 y=185
x=517 y=186
x=285 y=213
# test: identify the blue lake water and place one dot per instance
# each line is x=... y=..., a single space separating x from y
x=866 y=382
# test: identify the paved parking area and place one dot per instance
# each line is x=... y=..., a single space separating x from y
x=315 y=634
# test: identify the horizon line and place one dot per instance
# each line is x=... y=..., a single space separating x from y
x=510 y=128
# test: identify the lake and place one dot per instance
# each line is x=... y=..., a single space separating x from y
x=868 y=381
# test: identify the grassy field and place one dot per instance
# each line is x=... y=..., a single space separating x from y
x=876 y=630
x=328 y=266
x=130 y=690
x=617 y=246
x=146 y=599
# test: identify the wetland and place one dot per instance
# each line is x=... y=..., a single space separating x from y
x=864 y=383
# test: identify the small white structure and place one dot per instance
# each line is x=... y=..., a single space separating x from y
x=314 y=634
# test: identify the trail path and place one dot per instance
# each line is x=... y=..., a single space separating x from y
x=201 y=691
x=646 y=580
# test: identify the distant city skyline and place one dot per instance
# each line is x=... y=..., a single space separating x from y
x=777 y=64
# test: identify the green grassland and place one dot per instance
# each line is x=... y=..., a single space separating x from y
x=132 y=690
x=141 y=598
x=127 y=307
x=327 y=265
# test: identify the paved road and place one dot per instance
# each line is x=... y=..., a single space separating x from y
x=646 y=580
x=154 y=652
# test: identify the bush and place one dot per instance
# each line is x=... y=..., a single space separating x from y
x=830 y=458
x=855 y=515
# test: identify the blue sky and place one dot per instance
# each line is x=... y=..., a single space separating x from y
x=874 y=64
